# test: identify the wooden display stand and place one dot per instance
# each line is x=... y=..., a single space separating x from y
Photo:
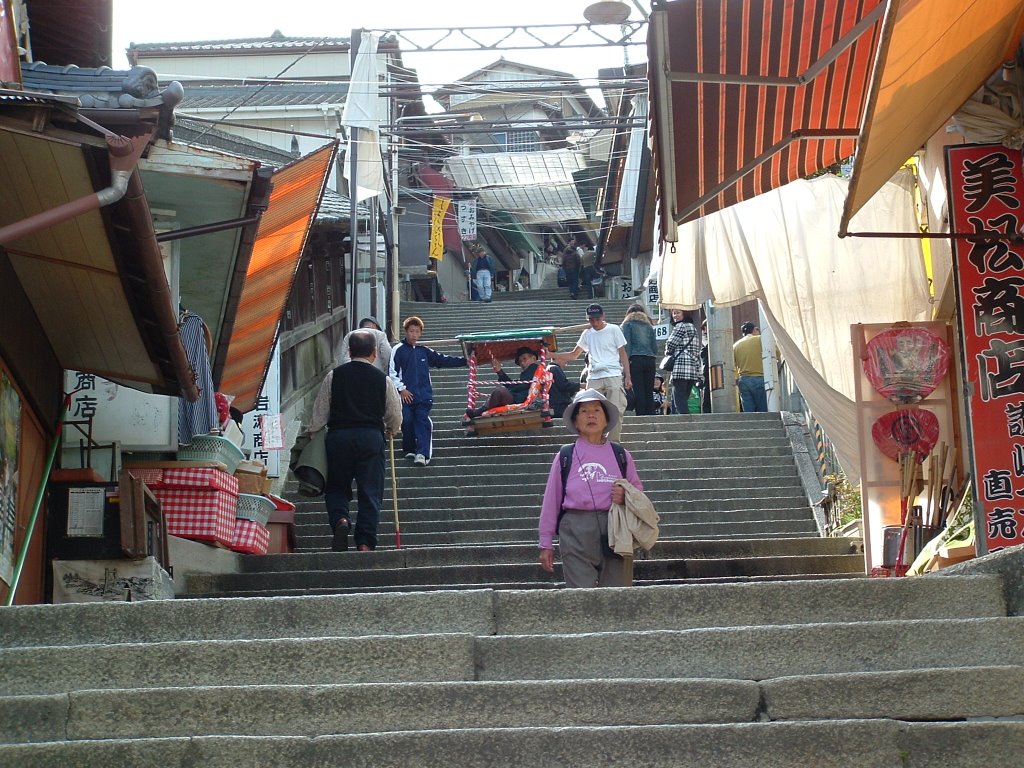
x=143 y=527
x=881 y=497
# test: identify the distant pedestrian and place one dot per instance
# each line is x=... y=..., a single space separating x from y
x=658 y=396
x=571 y=263
x=608 y=369
x=641 y=348
x=410 y=370
x=383 y=360
x=749 y=361
x=684 y=345
x=358 y=404
x=483 y=274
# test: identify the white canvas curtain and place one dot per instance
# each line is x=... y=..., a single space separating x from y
x=781 y=248
x=360 y=116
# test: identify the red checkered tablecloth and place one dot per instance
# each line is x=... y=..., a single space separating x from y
x=199 y=514
x=250 y=537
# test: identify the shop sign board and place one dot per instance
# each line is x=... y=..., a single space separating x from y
x=986 y=193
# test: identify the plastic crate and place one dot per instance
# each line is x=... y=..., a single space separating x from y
x=212 y=448
x=255 y=508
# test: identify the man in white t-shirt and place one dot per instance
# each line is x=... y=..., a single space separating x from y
x=609 y=365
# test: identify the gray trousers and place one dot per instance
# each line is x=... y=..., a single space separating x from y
x=611 y=387
x=584 y=562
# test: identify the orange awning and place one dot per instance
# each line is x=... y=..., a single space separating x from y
x=931 y=59
x=748 y=96
x=283 y=228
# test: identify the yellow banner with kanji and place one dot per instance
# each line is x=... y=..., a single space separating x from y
x=437 y=214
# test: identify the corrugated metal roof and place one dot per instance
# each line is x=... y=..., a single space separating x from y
x=268 y=281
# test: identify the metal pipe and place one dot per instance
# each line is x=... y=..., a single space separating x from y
x=206 y=229
x=124 y=153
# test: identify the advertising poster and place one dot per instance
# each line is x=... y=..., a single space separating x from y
x=986 y=187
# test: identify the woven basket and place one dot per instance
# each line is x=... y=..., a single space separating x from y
x=212 y=448
x=255 y=508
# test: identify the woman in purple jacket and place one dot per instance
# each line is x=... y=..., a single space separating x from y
x=578 y=511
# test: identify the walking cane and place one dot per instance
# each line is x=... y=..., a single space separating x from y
x=394 y=492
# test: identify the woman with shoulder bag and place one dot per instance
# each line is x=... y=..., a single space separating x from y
x=684 y=346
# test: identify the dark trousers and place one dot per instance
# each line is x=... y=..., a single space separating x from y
x=681 y=389
x=355 y=454
x=641 y=371
x=417 y=428
x=572 y=280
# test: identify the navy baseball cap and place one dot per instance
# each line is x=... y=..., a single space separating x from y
x=595 y=310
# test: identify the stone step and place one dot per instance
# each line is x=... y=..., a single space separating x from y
x=823 y=744
x=447 y=556
x=527 y=534
x=752 y=652
x=312 y=710
x=487 y=612
x=660 y=569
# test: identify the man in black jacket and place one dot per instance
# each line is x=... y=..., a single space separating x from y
x=358 y=404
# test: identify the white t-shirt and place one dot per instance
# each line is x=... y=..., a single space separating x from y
x=603 y=347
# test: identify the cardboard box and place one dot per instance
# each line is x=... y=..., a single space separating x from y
x=250 y=537
x=252 y=478
x=282 y=532
x=90 y=581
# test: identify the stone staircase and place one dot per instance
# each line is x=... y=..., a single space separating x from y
x=726 y=487
x=740 y=647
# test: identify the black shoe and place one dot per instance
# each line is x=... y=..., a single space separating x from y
x=339 y=543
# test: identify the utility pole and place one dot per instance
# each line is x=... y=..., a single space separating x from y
x=720 y=340
x=352 y=194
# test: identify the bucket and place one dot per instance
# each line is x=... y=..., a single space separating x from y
x=891 y=545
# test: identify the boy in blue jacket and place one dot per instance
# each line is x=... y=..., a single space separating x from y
x=410 y=369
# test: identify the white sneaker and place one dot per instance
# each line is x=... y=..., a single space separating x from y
x=410 y=455
x=421 y=460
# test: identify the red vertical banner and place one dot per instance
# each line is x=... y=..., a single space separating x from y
x=986 y=194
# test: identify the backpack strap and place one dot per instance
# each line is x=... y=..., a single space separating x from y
x=564 y=462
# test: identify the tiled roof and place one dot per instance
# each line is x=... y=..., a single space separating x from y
x=336 y=207
x=263 y=95
x=200 y=134
x=277 y=41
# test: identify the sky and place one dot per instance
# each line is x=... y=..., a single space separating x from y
x=184 y=20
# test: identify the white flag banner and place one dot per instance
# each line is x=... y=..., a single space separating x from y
x=467 y=219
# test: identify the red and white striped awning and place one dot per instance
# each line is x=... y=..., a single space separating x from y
x=749 y=95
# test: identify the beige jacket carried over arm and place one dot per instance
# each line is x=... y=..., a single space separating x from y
x=633 y=524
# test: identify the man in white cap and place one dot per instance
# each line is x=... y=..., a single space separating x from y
x=609 y=364
x=577 y=511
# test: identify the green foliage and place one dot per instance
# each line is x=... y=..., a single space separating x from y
x=847 y=498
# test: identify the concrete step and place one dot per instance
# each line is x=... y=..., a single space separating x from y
x=823 y=744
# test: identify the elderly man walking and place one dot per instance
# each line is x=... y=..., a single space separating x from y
x=358 y=404
x=609 y=365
